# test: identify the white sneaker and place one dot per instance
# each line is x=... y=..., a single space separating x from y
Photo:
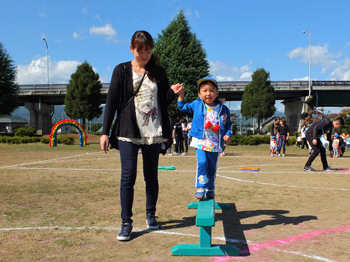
x=283 y=155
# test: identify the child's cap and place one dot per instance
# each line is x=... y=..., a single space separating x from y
x=336 y=135
x=273 y=137
x=208 y=78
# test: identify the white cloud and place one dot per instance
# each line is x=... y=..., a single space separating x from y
x=320 y=56
x=107 y=31
x=302 y=79
x=342 y=72
x=42 y=14
x=196 y=13
x=84 y=11
x=36 y=72
x=77 y=36
x=223 y=72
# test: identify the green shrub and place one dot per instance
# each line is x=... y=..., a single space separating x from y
x=45 y=140
x=66 y=140
x=13 y=140
x=25 y=139
x=25 y=131
x=292 y=141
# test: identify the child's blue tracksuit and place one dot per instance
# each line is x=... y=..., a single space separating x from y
x=207 y=161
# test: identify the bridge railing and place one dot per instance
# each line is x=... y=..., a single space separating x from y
x=223 y=84
x=51 y=87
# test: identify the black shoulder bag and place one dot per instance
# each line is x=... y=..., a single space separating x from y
x=113 y=140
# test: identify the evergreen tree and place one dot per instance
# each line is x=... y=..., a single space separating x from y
x=259 y=98
x=183 y=57
x=83 y=94
x=8 y=88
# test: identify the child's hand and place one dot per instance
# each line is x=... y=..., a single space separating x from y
x=227 y=139
x=178 y=88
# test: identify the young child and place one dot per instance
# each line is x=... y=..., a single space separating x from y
x=335 y=145
x=298 y=143
x=348 y=142
x=211 y=128
x=273 y=146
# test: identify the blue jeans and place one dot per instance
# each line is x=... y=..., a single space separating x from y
x=206 y=169
x=281 y=143
x=128 y=156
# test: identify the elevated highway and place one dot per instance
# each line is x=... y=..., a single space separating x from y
x=41 y=99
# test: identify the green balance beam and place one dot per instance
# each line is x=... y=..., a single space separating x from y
x=205 y=220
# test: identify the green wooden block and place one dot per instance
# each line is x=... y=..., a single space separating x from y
x=205 y=213
x=222 y=206
x=196 y=250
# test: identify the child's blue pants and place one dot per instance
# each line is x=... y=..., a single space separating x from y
x=206 y=169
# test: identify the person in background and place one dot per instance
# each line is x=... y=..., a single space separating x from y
x=298 y=142
x=348 y=142
x=303 y=136
x=283 y=132
x=185 y=132
x=313 y=134
x=273 y=146
x=274 y=127
x=335 y=145
x=179 y=137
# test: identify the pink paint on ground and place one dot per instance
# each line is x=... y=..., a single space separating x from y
x=288 y=240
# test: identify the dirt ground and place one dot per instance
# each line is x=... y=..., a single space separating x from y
x=62 y=204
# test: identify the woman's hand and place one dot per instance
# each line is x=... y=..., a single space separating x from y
x=314 y=141
x=227 y=139
x=104 y=143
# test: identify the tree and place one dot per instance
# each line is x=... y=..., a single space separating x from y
x=8 y=87
x=317 y=115
x=83 y=94
x=259 y=98
x=183 y=57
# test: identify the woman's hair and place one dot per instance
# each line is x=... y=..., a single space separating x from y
x=283 y=121
x=143 y=40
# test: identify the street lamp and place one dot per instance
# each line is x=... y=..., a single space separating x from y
x=309 y=62
x=47 y=61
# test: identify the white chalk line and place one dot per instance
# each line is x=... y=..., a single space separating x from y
x=309 y=256
x=230 y=240
x=118 y=228
x=272 y=184
x=47 y=161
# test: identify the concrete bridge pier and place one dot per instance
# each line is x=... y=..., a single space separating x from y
x=40 y=117
x=295 y=110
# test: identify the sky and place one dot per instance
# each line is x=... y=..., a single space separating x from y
x=238 y=36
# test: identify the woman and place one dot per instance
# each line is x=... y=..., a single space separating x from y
x=283 y=132
x=142 y=122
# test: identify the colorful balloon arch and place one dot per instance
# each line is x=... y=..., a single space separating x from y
x=59 y=124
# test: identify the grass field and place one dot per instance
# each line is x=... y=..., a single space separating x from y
x=62 y=204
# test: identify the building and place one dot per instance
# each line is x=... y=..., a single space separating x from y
x=7 y=125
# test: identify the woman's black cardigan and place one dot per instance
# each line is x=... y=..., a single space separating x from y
x=120 y=91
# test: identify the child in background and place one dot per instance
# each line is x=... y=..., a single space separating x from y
x=273 y=146
x=335 y=145
x=347 y=142
x=211 y=128
x=298 y=142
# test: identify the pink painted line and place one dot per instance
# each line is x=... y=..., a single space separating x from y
x=287 y=240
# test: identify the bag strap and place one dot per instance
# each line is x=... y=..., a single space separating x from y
x=137 y=90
